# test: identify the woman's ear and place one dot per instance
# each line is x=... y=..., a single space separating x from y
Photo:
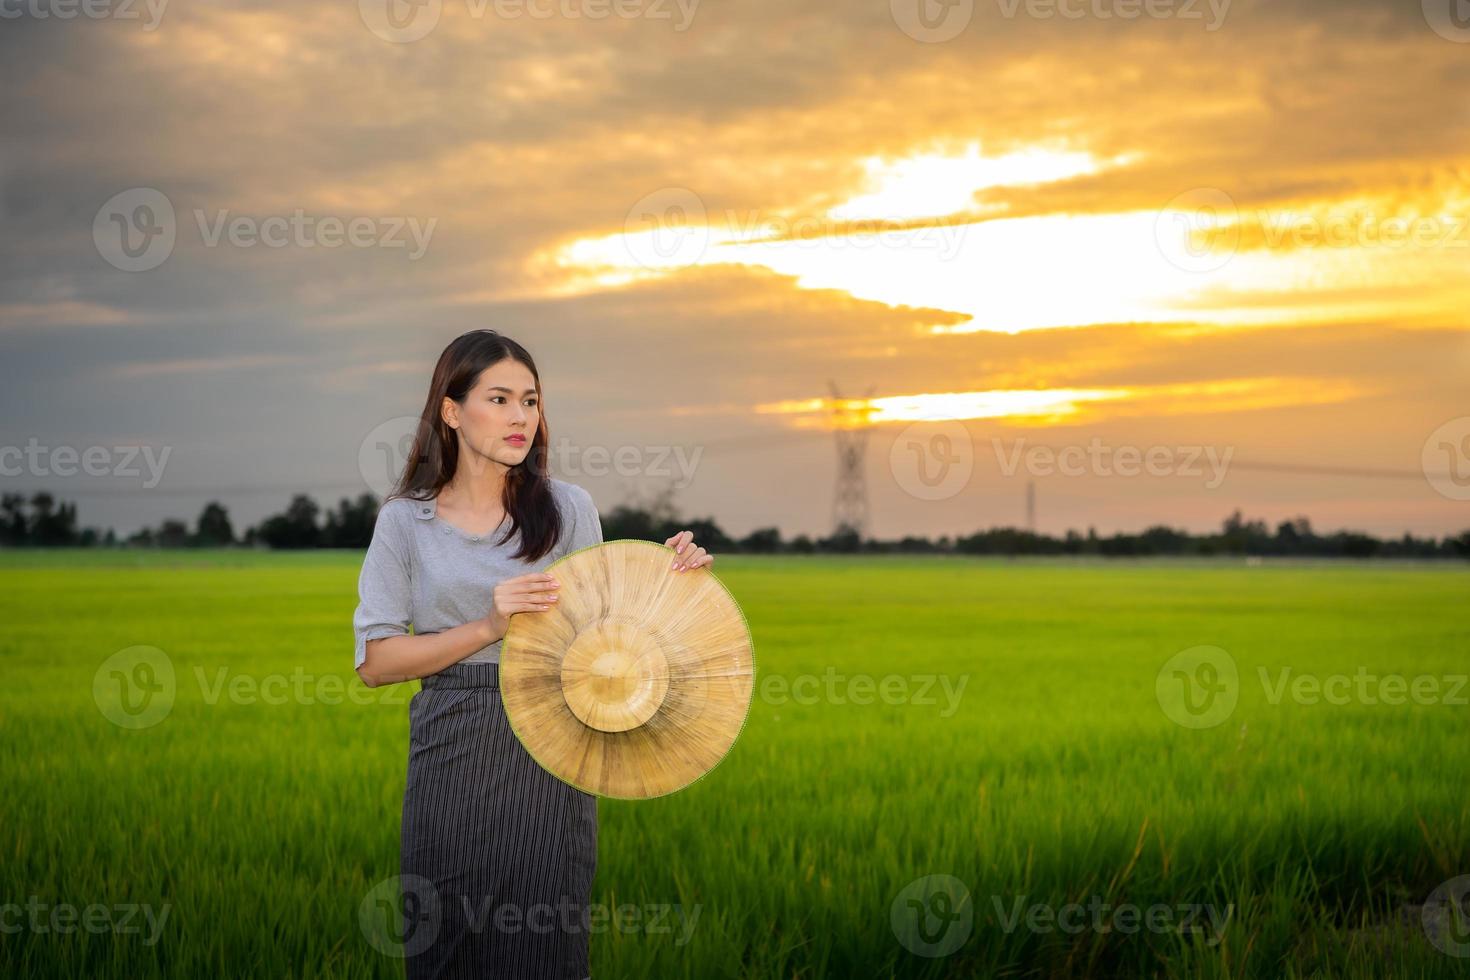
x=449 y=412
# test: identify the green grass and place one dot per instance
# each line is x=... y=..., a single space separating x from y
x=1053 y=778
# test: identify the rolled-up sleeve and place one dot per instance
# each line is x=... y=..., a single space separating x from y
x=586 y=522
x=385 y=587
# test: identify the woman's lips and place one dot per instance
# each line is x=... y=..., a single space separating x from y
x=516 y=440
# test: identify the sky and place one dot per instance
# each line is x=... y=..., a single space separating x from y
x=1147 y=262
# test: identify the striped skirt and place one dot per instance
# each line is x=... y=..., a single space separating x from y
x=498 y=854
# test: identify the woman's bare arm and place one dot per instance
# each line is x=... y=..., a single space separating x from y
x=394 y=659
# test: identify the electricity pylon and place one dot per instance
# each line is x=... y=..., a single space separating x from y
x=850 y=426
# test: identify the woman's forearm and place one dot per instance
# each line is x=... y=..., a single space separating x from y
x=394 y=659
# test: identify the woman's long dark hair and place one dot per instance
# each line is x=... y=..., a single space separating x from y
x=435 y=454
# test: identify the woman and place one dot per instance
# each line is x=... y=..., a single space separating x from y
x=498 y=854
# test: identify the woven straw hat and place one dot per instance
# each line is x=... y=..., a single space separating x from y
x=638 y=681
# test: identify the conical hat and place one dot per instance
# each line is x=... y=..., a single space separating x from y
x=637 y=681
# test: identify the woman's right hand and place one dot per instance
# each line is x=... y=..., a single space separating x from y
x=535 y=592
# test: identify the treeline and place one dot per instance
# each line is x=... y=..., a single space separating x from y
x=42 y=522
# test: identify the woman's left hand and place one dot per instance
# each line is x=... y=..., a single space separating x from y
x=689 y=555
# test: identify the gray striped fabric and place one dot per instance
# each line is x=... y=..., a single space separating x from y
x=508 y=849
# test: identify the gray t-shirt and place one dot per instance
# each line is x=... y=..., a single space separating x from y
x=423 y=572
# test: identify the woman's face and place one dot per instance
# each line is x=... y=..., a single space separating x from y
x=502 y=404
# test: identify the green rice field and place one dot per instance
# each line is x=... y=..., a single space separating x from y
x=952 y=767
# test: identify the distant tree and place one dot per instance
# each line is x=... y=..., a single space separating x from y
x=172 y=533
x=51 y=525
x=762 y=540
x=213 y=528
x=13 y=530
x=844 y=540
x=296 y=528
x=351 y=524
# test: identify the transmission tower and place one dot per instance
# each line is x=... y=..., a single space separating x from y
x=850 y=426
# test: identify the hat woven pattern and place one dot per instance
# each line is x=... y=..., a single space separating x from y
x=638 y=681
